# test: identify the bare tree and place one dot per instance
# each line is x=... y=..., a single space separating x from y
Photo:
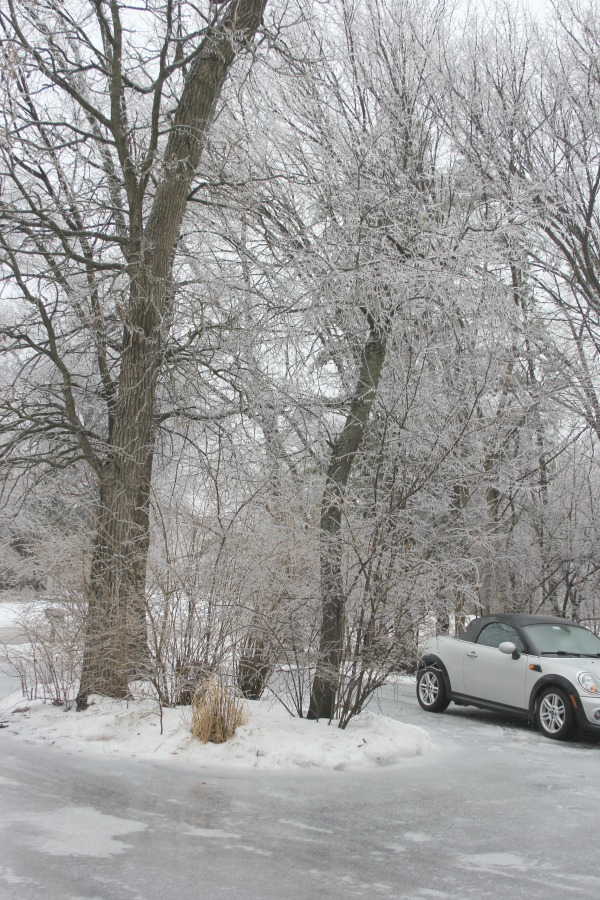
x=365 y=237
x=106 y=116
x=524 y=115
x=364 y=213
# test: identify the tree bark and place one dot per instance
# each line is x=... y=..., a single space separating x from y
x=329 y=660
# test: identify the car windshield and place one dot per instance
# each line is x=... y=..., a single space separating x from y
x=563 y=640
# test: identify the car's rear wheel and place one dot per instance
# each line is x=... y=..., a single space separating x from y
x=554 y=714
x=431 y=690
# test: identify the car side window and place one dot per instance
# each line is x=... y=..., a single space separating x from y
x=496 y=632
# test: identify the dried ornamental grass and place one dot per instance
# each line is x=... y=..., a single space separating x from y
x=216 y=713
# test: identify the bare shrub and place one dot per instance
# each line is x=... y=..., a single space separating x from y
x=284 y=639
x=216 y=713
x=192 y=601
x=48 y=662
x=255 y=666
x=279 y=619
x=188 y=639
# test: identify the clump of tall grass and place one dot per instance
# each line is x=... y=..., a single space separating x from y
x=216 y=713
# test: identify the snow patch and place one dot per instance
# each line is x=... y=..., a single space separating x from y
x=7 y=875
x=77 y=831
x=493 y=862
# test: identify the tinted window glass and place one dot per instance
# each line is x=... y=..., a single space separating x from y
x=496 y=632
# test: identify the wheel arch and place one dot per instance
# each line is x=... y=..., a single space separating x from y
x=430 y=659
x=558 y=681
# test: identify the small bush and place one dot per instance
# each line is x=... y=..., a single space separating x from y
x=49 y=661
x=216 y=713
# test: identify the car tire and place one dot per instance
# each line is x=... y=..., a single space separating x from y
x=431 y=690
x=554 y=714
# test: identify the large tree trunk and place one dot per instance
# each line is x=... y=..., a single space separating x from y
x=115 y=636
x=329 y=661
x=116 y=620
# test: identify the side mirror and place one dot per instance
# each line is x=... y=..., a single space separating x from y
x=509 y=648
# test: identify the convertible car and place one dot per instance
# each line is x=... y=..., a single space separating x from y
x=542 y=668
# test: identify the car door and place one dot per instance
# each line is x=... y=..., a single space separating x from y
x=452 y=651
x=492 y=675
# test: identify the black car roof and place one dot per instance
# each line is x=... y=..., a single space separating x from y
x=471 y=632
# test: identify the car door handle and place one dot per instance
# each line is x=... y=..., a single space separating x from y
x=472 y=654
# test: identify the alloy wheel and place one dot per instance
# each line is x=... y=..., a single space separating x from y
x=552 y=713
x=429 y=688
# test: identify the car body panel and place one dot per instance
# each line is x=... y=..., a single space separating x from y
x=451 y=652
x=492 y=675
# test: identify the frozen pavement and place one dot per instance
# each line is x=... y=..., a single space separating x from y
x=492 y=811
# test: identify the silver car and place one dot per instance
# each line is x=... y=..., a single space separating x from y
x=542 y=668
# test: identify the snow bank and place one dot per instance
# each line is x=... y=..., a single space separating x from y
x=271 y=738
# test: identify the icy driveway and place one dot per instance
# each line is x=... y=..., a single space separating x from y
x=493 y=811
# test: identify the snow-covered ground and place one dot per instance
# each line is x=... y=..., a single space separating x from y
x=10 y=613
x=270 y=739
